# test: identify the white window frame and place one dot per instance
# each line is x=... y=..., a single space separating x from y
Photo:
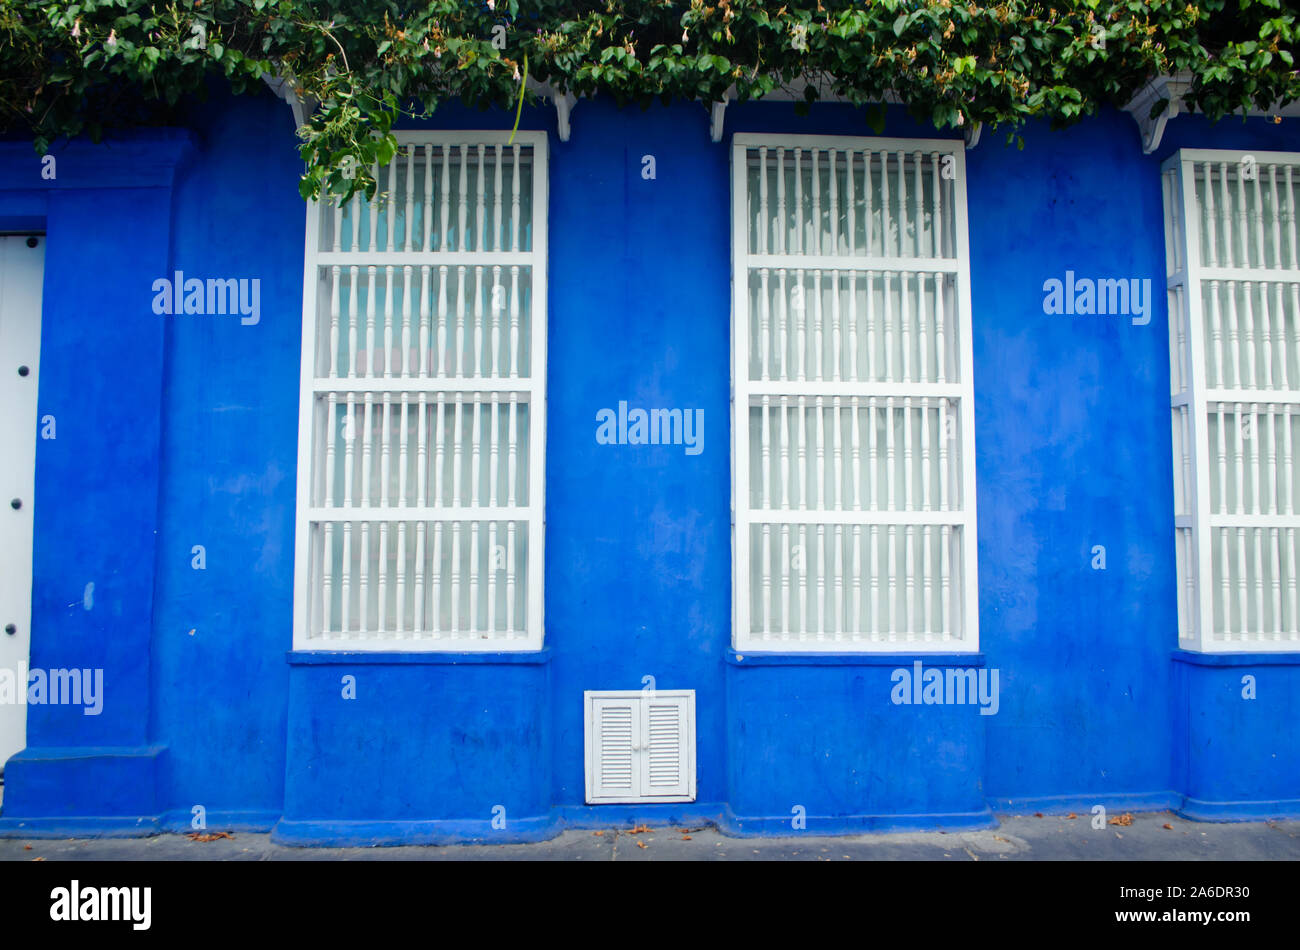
x=1191 y=399
x=531 y=389
x=743 y=389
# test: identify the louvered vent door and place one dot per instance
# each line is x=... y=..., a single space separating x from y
x=616 y=775
x=640 y=746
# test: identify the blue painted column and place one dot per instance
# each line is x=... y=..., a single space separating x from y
x=107 y=214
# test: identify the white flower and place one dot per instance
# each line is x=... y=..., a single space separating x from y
x=112 y=38
x=76 y=28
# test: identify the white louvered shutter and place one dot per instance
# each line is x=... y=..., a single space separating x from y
x=616 y=772
x=640 y=746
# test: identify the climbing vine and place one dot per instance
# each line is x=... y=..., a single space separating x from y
x=97 y=65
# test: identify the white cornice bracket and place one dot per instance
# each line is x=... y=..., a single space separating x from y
x=564 y=104
x=972 y=135
x=287 y=89
x=1168 y=89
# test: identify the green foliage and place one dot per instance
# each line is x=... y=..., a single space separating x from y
x=94 y=65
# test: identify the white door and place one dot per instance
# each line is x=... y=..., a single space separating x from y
x=21 y=267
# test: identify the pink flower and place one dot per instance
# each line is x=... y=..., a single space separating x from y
x=76 y=28
x=112 y=38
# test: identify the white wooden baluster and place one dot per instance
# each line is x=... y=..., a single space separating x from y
x=436 y=581
x=907 y=454
x=515 y=208
x=764 y=327
x=457 y=452
x=886 y=225
x=480 y=194
x=1283 y=339
x=478 y=321
x=923 y=352
x=334 y=323
x=510 y=577
x=367 y=454
x=936 y=217
x=1211 y=242
x=384 y=466
x=410 y=198
x=905 y=324
x=1258 y=584
x=889 y=456
x=762 y=224
x=354 y=279
x=902 y=201
x=855 y=626
x=909 y=581
x=1266 y=336
x=327 y=614
x=925 y=459
x=455 y=528
x=496 y=228
x=820 y=498
x=797 y=246
x=814 y=171
x=1224 y=214
x=462 y=236
x=946 y=625
x=1234 y=339
x=421 y=501
x=873 y=459
x=1253 y=450
x=512 y=452
x=837 y=458
x=389 y=314
x=443 y=237
x=837 y=338
x=892 y=562
x=369 y=363
x=1275 y=563
x=1223 y=464
x=1243 y=231
x=786 y=592
x=850 y=204
x=1216 y=372
x=833 y=187
x=853 y=326
x=765 y=501
x=1290 y=229
x=868 y=214
x=800 y=328
x=837 y=593
x=802 y=453
x=819 y=605
x=782 y=323
x=1257 y=213
x=496 y=313
x=492 y=533
x=426 y=215
x=514 y=322
x=407 y=319
x=787 y=457
x=870 y=318
x=441 y=356
x=819 y=337
x=918 y=203
x=1252 y=372
x=474 y=566
x=855 y=452
x=927 y=583
x=877 y=624
x=423 y=359
x=805 y=625
x=780 y=203
x=940 y=339
x=1276 y=216
x=459 y=335
x=888 y=321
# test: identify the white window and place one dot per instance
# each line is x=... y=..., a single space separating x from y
x=1234 y=301
x=854 y=478
x=421 y=434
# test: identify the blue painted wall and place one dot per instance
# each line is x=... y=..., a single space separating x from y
x=205 y=708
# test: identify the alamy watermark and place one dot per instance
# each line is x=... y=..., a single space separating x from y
x=953 y=686
x=651 y=427
x=53 y=688
x=1105 y=296
x=181 y=295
